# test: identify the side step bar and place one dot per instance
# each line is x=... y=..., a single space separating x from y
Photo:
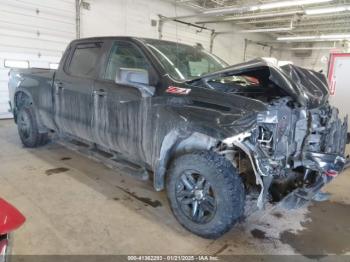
x=111 y=160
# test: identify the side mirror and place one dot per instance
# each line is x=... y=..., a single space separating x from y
x=135 y=77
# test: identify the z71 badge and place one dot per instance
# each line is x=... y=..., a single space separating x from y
x=178 y=90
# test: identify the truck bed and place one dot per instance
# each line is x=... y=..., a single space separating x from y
x=38 y=86
x=32 y=76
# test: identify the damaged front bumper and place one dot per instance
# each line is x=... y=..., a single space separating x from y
x=294 y=149
x=329 y=164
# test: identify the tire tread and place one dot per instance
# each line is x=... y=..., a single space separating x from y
x=37 y=139
x=232 y=186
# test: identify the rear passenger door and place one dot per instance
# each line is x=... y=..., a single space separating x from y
x=73 y=90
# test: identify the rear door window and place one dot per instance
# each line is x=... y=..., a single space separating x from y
x=84 y=59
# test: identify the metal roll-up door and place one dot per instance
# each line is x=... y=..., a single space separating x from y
x=33 y=33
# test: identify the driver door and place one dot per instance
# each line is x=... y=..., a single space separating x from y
x=121 y=116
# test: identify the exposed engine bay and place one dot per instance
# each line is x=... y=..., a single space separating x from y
x=293 y=148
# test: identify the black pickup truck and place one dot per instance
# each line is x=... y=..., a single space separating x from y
x=209 y=133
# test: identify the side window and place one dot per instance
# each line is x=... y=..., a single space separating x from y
x=124 y=55
x=84 y=59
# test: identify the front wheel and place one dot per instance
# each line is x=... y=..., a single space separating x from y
x=28 y=128
x=206 y=193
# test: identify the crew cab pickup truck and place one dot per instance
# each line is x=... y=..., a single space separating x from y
x=209 y=133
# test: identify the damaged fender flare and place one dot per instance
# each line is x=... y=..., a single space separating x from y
x=178 y=142
x=175 y=143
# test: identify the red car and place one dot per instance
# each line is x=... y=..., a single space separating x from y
x=10 y=220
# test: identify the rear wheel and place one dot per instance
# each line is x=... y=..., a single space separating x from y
x=28 y=128
x=205 y=193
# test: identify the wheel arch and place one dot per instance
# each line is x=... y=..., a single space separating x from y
x=21 y=97
x=176 y=143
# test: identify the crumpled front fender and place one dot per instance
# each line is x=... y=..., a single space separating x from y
x=179 y=142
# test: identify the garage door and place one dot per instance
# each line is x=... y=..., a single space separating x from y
x=34 y=33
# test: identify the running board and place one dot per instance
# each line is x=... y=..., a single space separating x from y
x=111 y=160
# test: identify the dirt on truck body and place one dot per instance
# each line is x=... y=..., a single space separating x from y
x=184 y=114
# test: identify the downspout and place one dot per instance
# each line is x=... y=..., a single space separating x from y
x=212 y=37
x=245 y=49
x=160 y=27
x=77 y=18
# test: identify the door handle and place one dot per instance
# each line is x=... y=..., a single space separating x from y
x=100 y=92
x=59 y=85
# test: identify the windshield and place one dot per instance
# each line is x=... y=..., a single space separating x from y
x=184 y=62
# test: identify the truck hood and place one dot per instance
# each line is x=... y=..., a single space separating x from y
x=305 y=86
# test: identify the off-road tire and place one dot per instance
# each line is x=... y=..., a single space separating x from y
x=226 y=184
x=30 y=137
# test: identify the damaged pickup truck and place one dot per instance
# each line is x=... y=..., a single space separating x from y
x=209 y=133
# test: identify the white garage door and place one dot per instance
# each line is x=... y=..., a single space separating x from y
x=33 y=33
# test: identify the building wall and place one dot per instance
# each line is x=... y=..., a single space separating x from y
x=133 y=18
x=38 y=31
x=231 y=47
x=316 y=59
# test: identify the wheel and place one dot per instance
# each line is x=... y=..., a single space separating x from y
x=205 y=193
x=28 y=128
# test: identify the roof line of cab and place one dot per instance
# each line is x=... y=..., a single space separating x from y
x=129 y=38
